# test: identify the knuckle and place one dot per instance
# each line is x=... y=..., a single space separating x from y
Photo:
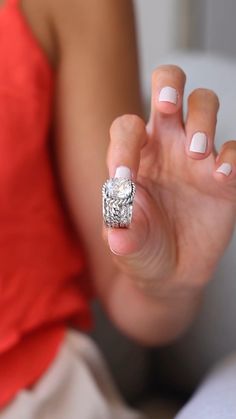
x=126 y=125
x=115 y=125
x=170 y=71
x=205 y=95
x=231 y=144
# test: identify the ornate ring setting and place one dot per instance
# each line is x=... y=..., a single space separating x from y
x=118 y=196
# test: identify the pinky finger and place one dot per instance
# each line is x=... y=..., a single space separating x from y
x=226 y=163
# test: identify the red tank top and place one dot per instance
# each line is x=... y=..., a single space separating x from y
x=43 y=287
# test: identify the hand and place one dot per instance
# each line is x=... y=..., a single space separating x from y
x=185 y=204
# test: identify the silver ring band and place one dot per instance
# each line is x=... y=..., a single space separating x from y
x=118 y=196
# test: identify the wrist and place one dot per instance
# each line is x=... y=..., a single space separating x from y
x=169 y=289
x=151 y=319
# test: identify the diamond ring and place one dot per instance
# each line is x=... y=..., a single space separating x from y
x=118 y=195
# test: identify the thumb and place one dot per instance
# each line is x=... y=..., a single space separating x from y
x=145 y=250
x=129 y=241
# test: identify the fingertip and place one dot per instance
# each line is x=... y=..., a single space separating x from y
x=200 y=124
x=167 y=88
x=225 y=165
x=104 y=233
x=224 y=172
x=128 y=241
x=198 y=146
x=128 y=124
x=225 y=169
x=128 y=137
x=168 y=100
x=119 y=241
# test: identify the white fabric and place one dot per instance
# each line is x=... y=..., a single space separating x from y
x=76 y=386
x=216 y=397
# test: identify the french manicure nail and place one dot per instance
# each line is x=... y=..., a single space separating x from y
x=198 y=143
x=225 y=169
x=123 y=172
x=168 y=94
x=113 y=251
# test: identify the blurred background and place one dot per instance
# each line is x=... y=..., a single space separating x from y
x=164 y=26
x=199 y=36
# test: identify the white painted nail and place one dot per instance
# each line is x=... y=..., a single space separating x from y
x=225 y=169
x=168 y=94
x=123 y=172
x=198 y=143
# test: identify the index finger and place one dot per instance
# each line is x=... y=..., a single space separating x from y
x=128 y=136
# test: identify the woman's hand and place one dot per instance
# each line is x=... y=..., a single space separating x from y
x=185 y=204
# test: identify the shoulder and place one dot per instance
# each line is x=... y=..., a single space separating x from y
x=52 y=22
x=37 y=15
x=66 y=25
x=56 y=23
x=84 y=23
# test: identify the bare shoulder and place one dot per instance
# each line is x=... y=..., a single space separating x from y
x=79 y=21
x=37 y=14
x=50 y=21
x=54 y=21
x=62 y=25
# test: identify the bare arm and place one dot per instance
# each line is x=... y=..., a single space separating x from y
x=98 y=80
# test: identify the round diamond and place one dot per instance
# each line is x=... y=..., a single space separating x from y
x=119 y=188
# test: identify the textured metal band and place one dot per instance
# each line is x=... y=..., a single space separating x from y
x=117 y=212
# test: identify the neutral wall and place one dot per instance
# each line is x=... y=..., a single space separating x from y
x=162 y=27
x=166 y=25
x=213 y=26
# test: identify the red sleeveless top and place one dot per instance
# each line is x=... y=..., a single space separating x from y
x=43 y=286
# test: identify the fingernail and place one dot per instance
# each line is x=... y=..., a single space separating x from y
x=225 y=169
x=123 y=172
x=198 y=143
x=110 y=239
x=168 y=94
x=113 y=251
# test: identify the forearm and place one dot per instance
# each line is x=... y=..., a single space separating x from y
x=149 y=319
x=97 y=81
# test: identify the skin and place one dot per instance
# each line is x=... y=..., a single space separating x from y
x=150 y=277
